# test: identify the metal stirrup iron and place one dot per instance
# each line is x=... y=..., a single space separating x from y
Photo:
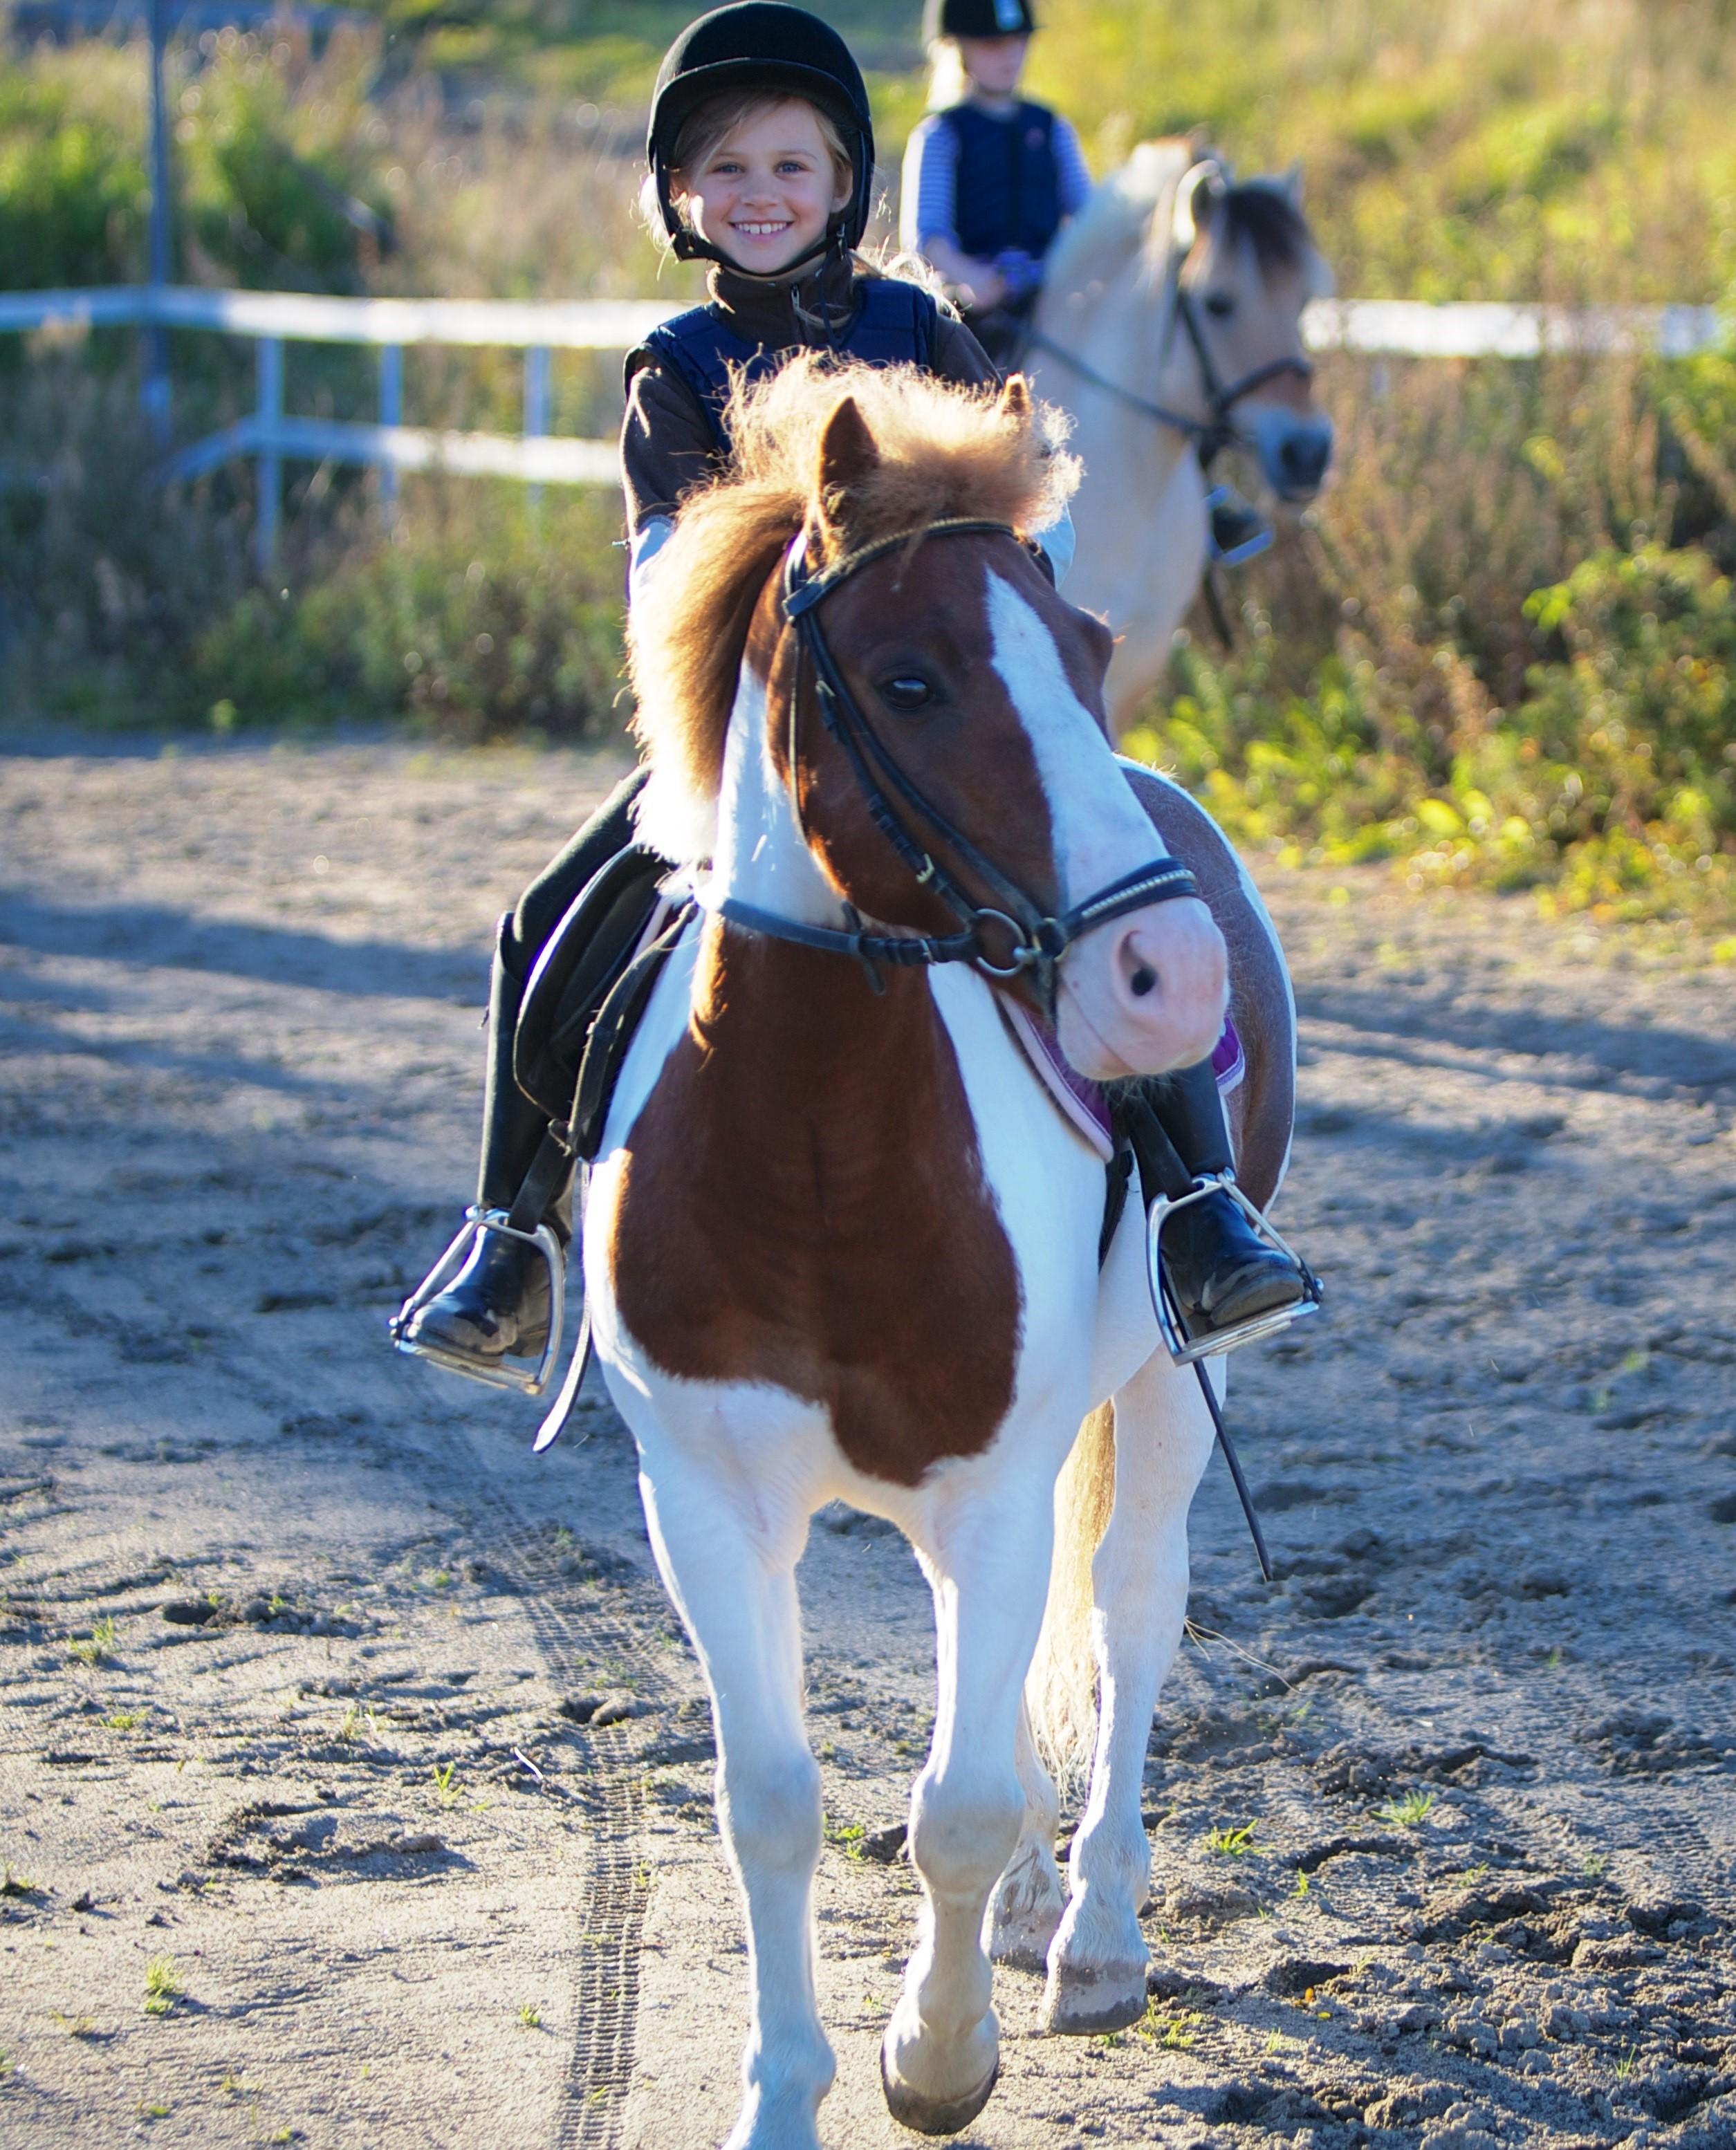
x=523 y=1222
x=1187 y=1350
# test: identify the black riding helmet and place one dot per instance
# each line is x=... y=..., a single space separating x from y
x=976 y=18
x=761 y=45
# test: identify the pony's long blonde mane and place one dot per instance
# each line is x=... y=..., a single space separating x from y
x=944 y=451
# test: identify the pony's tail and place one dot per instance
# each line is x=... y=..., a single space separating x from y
x=1062 y=1690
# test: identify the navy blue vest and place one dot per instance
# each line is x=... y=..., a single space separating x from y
x=894 y=324
x=1009 y=191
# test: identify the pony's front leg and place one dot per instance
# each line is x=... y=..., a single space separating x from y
x=735 y=1587
x=1139 y=1578
x=1029 y=1898
x=987 y=1565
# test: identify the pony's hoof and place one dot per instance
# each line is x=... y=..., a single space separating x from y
x=1080 y=2004
x=932 y=2116
x=1028 y=1905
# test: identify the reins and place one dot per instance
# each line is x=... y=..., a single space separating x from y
x=1212 y=435
x=1037 y=940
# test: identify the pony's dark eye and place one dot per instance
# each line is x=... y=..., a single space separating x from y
x=906 y=691
x=1219 y=305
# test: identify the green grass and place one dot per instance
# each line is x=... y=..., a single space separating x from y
x=1232 y=1843
x=161 y=1986
x=1407 y=1810
x=1503 y=655
x=94 y=1649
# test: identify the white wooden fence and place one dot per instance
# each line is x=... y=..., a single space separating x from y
x=270 y=436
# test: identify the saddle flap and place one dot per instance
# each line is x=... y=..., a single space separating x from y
x=584 y=957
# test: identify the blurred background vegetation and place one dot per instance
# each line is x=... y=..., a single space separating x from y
x=1503 y=649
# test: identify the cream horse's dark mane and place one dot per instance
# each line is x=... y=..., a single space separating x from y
x=1133 y=211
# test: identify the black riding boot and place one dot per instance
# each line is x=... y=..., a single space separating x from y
x=1220 y=1269
x=498 y=1302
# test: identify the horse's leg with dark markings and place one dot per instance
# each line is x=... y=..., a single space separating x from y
x=1139 y=1581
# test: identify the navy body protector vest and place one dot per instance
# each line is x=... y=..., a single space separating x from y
x=1008 y=189
x=894 y=324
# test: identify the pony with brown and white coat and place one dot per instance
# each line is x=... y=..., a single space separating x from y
x=839 y=1242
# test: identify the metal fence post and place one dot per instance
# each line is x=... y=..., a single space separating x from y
x=391 y=413
x=536 y=406
x=270 y=463
x=156 y=390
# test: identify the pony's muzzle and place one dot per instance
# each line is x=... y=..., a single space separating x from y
x=1144 y=993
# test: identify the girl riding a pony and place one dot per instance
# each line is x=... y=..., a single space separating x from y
x=989 y=178
x=760 y=149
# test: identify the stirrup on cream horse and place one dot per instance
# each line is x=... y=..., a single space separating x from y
x=1170 y=327
x=842 y=1243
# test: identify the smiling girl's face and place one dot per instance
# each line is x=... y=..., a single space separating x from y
x=765 y=193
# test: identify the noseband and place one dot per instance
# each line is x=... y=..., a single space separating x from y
x=1030 y=940
x=1212 y=435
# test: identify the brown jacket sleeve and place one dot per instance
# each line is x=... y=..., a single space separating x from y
x=958 y=357
x=666 y=446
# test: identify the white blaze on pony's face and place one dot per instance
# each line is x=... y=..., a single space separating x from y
x=1145 y=993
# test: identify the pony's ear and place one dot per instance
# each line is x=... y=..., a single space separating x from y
x=1016 y=399
x=1293 y=187
x=848 y=454
x=1196 y=200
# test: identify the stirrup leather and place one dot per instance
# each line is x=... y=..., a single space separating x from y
x=495 y=1374
x=1182 y=1348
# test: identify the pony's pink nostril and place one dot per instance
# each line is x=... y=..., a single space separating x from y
x=1142 y=982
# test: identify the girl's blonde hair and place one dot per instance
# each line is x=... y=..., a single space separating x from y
x=947 y=82
x=709 y=125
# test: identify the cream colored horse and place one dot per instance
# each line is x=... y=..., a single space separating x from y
x=1176 y=295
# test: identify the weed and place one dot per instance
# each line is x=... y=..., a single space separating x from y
x=563 y=1538
x=1628 y=2062
x=95 y=1648
x=75 y=2026
x=125 y=1720
x=1179 y=2033
x=162 y=1988
x=17 y=1885
x=1302 y=1884
x=446 y=1784
x=530 y=2015
x=151 y=2112
x=1232 y=1843
x=1277 y=2042
x=1553 y=1662
x=5 y=2064
x=1594 y=1865
x=1408 y=1810
x=847 y=1837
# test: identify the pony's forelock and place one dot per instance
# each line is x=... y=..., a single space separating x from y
x=943 y=452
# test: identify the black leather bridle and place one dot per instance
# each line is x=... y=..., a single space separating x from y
x=1211 y=435
x=1036 y=941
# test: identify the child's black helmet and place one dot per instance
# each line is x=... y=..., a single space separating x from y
x=976 y=18
x=761 y=45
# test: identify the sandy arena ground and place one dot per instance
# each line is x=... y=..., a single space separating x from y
x=354 y=1779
